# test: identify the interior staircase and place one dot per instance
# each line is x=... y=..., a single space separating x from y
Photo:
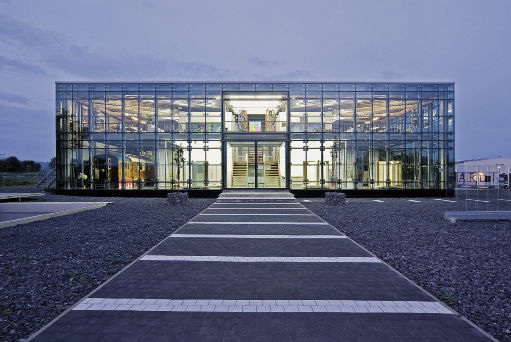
x=272 y=179
x=271 y=174
x=239 y=174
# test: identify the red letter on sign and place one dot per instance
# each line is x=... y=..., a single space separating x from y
x=482 y=177
x=473 y=177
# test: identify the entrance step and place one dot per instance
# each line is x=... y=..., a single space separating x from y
x=230 y=196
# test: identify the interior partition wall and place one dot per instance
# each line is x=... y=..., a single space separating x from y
x=297 y=135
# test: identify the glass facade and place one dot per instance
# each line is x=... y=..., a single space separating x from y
x=185 y=136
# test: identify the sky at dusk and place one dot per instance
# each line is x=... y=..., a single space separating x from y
x=467 y=42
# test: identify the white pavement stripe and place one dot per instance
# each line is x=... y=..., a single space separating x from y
x=216 y=258
x=214 y=208
x=379 y=201
x=261 y=305
x=294 y=223
x=256 y=198
x=414 y=201
x=245 y=203
x=229 y=236
x=444 y=200
x=234 y=193
x=476 y=200
x=249 y=214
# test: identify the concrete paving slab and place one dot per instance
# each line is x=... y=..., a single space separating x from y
x=256 y=218
x=12 y=214
x=254 y=229
x=224 y=280
x=258 y=326
x=6 y=196
x=245 y=211
x=260 y=247
x=256 y=205
x=454 y=216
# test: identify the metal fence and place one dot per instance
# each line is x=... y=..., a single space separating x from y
x=483 y=187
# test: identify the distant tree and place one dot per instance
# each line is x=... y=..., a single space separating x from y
x=13 y=164
x=30 y=166
x=53 y=163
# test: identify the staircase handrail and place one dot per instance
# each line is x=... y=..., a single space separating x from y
x=49 y=178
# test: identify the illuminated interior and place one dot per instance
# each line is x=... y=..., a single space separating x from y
x=290 y=135
x=255 y=113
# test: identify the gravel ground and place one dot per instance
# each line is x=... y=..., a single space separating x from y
x=466 y=265
x=47 y=266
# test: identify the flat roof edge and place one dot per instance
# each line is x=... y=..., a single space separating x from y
x=265 y=82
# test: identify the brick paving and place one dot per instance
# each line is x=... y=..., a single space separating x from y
x=246 y=277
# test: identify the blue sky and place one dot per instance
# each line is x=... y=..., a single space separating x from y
x=462 y=41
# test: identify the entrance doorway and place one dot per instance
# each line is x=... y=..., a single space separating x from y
x=256 y=165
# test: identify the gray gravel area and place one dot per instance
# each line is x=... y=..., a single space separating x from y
x=466 y=265
x=46 y=266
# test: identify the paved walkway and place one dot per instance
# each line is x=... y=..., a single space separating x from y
x=259 y=267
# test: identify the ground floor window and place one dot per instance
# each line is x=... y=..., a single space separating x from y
x=216 y=164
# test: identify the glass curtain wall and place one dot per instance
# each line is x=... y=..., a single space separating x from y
x=169 y=135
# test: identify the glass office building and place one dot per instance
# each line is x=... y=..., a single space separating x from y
x=254 y=135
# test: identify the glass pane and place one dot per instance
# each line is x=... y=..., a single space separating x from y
x=131 y=112
x=98 y=112
x=241 y=161
x=314 y=165
x=313 y=110
x=114 y=113
x=271 y=167
x=297 y=115
x=363 y=115
x=298 y=165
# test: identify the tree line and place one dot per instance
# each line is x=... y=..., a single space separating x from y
x=13 y=164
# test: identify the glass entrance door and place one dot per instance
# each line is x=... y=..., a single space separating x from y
x=256 y=165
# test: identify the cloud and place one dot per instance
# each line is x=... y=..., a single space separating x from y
x=264 y=62
x=16 y=32
x=148 y=3
x=58 y=53
x=391 y=75
x=13 y=98
x=88 y=65
x=294 y=75
x=16 y=65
